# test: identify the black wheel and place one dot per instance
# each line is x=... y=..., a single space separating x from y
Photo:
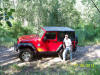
x=26 y=55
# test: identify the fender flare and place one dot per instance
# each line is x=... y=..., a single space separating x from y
x=25 y=45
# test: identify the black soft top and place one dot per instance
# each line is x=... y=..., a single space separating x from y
x=58 y=29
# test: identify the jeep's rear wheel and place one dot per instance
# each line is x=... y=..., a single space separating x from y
x=26 y=55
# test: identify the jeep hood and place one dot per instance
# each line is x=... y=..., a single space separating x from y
x=28 y=38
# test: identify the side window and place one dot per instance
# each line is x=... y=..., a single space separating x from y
x=50 y=35
x=61 y=36
x=71 y=35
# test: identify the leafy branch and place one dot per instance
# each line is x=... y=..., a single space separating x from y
x=5 y=15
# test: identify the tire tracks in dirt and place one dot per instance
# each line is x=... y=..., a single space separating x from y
x=8 y=56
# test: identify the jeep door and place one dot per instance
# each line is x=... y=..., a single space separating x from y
x=51 y=41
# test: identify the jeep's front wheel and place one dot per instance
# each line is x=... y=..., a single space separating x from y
x=26 y=55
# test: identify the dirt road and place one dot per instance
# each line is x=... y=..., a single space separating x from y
x=9 y=56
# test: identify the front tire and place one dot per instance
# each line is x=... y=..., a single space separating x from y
x=26 y=55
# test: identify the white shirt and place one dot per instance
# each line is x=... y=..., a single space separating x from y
x=67 y=42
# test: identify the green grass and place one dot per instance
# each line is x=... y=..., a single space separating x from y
x=84 y=68
x=1 y=71
x=15 y=67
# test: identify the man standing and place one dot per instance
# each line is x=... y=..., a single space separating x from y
x=67 y=45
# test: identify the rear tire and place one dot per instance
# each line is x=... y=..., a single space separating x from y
x=26 y=55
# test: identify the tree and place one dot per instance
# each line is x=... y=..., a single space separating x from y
x=5 y=15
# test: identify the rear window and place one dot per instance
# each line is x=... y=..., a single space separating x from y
x=71 y=35
x=61 y=35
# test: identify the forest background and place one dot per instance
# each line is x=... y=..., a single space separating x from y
x=24 y=17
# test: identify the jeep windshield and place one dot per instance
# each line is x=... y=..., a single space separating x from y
x=41 y=32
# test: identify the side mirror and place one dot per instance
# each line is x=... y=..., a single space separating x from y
x=45 y=38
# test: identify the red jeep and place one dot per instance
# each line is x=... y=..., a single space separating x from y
x=49 y=40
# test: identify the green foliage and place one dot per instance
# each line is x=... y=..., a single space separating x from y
x=44 y=12
x=31 y=14
x=1 y=71
x=9 y=35
x=5 y=15
x=88 y=35
x=15 y=67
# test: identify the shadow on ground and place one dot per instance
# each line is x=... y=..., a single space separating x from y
x=45 y=64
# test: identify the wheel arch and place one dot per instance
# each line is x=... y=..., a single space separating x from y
x=26 y=45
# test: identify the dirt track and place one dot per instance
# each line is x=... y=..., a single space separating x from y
x=9 y=56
